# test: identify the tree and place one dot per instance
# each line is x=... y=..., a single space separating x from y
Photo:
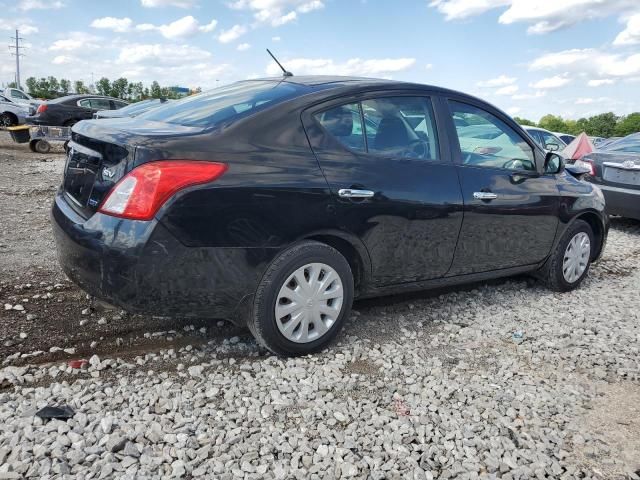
x=519 y=120
x=65 y=86
x=156 y=91
x=32 y=86
x=12 y=85
x=553 y=123
x=119 y=88
x=54 y=85
x=628 y=125
x=103 y=86
x=603 y=125
x=79 y=87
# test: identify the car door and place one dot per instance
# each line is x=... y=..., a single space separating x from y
x=85 y=111
x=393 y=183
x=510 y=205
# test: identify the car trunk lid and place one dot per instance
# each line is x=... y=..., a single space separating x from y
x=101 y=152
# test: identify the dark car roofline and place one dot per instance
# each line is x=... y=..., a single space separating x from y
x=67 y=98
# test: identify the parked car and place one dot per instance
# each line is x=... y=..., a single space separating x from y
x=67 y=111
x=597 y=140
x=615 y=168
x=132 y=110
x=545 y=138
x=266 y=202
x=565 y=137
x=11 y=113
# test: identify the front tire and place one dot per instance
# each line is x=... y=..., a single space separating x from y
x=302 y=300
x=569 y=262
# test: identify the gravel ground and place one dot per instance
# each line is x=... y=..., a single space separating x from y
x=497 y=380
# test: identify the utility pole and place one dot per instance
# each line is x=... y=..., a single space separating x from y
x=17 y=47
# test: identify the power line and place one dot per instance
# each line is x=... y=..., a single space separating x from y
x=16 y=47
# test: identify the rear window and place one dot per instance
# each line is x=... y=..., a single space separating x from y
x=211 y=108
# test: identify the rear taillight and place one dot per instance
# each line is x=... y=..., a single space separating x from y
x=141 y=193
x=42 y=108
x=586 y=163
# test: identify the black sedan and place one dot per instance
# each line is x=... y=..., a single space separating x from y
x=132 y=110
x=615 y=168
x=67 y=111
x=268 y=203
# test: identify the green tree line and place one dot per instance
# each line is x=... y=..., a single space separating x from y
x=51 y=87
x=602 y=125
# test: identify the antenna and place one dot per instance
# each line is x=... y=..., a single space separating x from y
x=285 y=72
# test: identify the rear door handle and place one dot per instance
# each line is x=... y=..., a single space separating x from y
x=352 y=193
x=484 y=195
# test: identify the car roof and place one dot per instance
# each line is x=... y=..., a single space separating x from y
x=67 y=98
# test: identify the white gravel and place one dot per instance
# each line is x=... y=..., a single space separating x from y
x=505 y=380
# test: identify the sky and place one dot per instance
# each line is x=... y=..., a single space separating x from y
x=571 y=58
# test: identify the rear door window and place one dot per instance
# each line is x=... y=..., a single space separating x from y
x=344 y=123
x=401 y=127
x=100 y=104
x=395 y=127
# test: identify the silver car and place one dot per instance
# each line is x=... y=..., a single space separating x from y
x=615 y=168
x=12 y=113
x=545 y=138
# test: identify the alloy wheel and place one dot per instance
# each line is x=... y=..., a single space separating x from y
x=576 y=257
x=309 y=303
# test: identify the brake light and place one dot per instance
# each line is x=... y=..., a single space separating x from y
x=141 y=193
x=42 y=108
x=586 y=164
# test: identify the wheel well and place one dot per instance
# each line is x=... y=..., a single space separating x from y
x=349 y=252
x=596 y=227
x=12 y=116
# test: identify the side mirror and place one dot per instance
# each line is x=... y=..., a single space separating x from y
x=552 y=147
x=553 y=163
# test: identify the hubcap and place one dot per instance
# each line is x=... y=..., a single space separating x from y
x=576 y=257
x=309 y=303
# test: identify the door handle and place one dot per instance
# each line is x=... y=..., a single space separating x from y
x=352 y=193
x=484 y=195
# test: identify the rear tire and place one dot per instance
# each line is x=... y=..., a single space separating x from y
x=314 y=282
x=39 y=146
x=8 y=120
x=569 y=262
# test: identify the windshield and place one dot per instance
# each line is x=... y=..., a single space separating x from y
x=629 y=144
x=211 y=108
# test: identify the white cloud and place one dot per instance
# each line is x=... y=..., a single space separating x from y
x=583 y=101
x=23 y=25
x=62 y=60
x=277 y=12
x=428 y=66
x=168 y=3
x=600 y=82
x=354 y=66
x=556 y=81
x=244 y=46
x=500 y=81
x=275 y=39
x=232 y=34
x=161 y=54
x=590 y=62
x=543 y=15
x=631 y=34
x=111 y=23
x=26 y=5
x=589 y=100
x=513 y=110
x=529 y=96
x=76 y=41
x=508 y=90
x=183 y=27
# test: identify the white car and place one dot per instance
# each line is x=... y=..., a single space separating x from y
x=12 y=113
x=545 y=138
x=18 y=96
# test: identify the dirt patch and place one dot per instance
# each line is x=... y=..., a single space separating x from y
x=615 y=421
